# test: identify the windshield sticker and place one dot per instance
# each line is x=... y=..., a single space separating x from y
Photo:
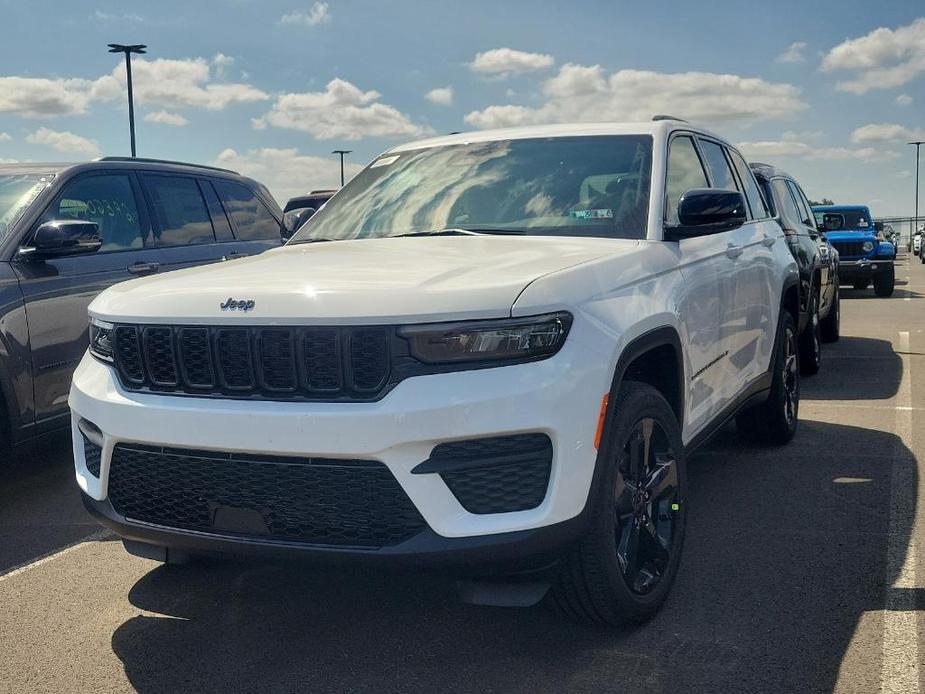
x=385 y=161
x=862 y=222
x=592 y=214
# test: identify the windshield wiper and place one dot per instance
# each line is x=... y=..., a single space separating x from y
x=459 y=231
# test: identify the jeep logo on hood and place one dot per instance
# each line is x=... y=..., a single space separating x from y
x=237 y=304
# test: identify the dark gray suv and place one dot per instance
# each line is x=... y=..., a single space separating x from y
x=68 y=231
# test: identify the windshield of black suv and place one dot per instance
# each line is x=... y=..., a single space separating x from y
x=833 y=220
x=563 y=186
x=17 y=191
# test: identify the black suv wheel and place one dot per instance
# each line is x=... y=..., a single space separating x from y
x=811 y=340
x=624 y=567
x=831 y=324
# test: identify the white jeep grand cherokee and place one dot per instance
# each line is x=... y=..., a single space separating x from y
x=491 y=350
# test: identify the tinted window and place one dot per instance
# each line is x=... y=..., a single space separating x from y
x=684 y=172
x=107 y=200
x=251 y=219
x=180 y=214
x=563 y=186
x=751 y=188
x=787 y=207
x=803 y=204
x=719 y=167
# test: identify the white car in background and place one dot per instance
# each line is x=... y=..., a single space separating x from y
x=917 y=243
x=490 y=350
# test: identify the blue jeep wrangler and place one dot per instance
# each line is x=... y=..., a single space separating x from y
x=864 y=254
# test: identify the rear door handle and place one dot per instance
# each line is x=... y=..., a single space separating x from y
x=733 y=251
x=141 y=268
x=768 y=240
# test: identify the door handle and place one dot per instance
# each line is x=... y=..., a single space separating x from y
x=733 y=251
x=234 y=254
x=141 y=268
x=768 y=240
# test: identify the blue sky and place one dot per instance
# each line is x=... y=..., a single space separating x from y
x=831 y=91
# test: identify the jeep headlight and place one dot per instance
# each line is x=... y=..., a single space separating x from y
x=101 y=339
x=867 y=246
x=517 y=339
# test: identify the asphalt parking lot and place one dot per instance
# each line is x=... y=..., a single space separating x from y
x=803 y=571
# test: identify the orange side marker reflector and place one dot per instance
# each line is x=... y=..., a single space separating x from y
x=600 y=420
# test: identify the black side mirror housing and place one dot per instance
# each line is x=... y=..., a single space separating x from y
x=878 y=226
x=294 y=219
x=705 y=211
x=63 y=237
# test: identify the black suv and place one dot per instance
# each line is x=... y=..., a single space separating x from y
x=68 y=231
x=820 y=312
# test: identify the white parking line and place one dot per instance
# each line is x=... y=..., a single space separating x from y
x=44 y=559
x=900 y=669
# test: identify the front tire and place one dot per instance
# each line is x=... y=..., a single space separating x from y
x=811 y=341
x=860 y=284
x=774 y=422
x=622 y=570
x=831 y=324
x=885 y=282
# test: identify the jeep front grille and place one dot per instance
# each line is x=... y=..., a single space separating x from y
x=849 y=249
x=279 y=363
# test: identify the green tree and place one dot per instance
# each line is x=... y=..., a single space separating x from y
x=825 y=201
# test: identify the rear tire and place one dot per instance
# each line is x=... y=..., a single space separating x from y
x=885 y=282
x=623 y=568
x=831 y=324
x=811 y=341
x=774 y=422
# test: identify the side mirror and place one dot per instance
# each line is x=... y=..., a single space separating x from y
x=704 y=211
x=63 y=237
x=878 y=226
x=294 y=219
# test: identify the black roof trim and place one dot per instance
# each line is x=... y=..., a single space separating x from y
x=145 y=160
x=664 y=117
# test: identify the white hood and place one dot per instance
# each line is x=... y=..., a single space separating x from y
x=361 y=281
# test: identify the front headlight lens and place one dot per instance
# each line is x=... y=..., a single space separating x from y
x=515 y=339
x=868 y=246
x=101 y=340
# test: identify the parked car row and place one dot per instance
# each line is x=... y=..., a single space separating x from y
x=500 y=365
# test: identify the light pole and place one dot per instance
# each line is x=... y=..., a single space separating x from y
x=128 y=50
x=917 y=144
x=341 y=152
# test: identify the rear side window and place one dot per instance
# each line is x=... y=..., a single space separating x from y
x=759 y=211
x=180 y=214
x=684 y=173
x=107 y=200
x=251 y=219
x=802 y=204
x=718 y=165
x=787 y=206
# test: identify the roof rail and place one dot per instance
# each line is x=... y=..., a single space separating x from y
x=664 y=117
x=146 y=160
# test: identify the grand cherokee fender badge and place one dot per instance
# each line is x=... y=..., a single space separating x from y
x=237 y=304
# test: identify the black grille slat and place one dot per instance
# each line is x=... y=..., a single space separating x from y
x=849 y=249
x=311 y=501
x=276 y=357
x=321 y=360
x=92 y=456
x=128 y=354
x=369 y=359
x=159 y=355
x=196 y=357
x=233 y=347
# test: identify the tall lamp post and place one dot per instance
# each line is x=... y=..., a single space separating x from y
x=342 y=152
x=917 y=145
x=128 y=50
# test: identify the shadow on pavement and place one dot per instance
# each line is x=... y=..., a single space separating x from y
x=785 y=552
x=855 y=368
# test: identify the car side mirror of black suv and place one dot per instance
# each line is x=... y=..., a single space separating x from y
x=294 y=219
x=704 y=211
x=63 y=237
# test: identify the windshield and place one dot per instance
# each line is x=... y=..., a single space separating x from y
x=565 y=186
x=16 y=194
x=833 y=220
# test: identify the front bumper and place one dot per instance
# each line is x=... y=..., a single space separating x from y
x=850 y=270
x=559 y=396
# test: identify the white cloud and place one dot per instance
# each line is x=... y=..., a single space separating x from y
x=886 y=132
x=222 y=61
x=762 y=150
x=167 y=83
x=580 y=93
x=883 y=59
x=903 y=100
x=793 y=54
x=342 y=111
x=166 y=118
x=5 y=137
x=507 y=61
x=124 y=17
x=286 y=172
x=442 y=96
x=64 y=141
x=317 y=14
